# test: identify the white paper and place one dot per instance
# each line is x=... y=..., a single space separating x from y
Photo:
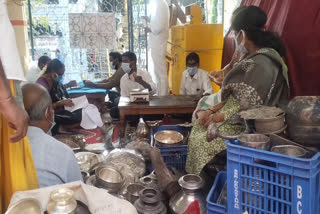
x=79 y=103
x=91 y=117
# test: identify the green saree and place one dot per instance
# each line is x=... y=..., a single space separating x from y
x=259 y=79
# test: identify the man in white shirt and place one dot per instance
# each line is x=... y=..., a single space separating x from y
x=54 y=161
x=195 y=81
x=34 y=72
x=134 y=78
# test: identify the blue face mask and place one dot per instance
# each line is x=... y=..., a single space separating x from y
x=60 y=79
x=192 y=70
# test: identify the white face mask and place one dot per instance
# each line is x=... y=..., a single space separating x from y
x=192 y=70
x=240 y=47
x=112 y=66
x=52 y=122
x=126 y=67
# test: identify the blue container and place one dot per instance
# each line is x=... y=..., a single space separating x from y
x=212 y=207
x=266 y=182
x=173 y=156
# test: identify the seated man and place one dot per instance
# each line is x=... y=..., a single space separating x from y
x=195 y=81
x=115 y=59
x=54 y=161
x=134 y=78
x=34 y=72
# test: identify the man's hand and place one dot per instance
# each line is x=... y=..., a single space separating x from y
x=139 y=79
x=89 y=84
x=17 y=119
x=70 y=84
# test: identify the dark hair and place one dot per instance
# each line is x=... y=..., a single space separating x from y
x=252 y=20
x=54 y=66
x=116 y=55
x=131 y=56
x=43 y=60
x=58 y=51
x=238 y=10
x=193 y=56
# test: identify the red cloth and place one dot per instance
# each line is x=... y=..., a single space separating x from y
x=194 y=208
x=298 y=24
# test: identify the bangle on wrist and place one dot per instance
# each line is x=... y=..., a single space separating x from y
x=6 y=100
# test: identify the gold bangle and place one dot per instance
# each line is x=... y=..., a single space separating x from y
x=6 y=100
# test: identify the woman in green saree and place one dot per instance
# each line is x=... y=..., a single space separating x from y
x=259 y=78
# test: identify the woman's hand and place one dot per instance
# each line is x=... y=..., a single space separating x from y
x=204 y=116
x=65 y=102
x=17 y=119
x=216 y=77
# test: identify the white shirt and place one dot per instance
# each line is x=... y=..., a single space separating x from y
x=127 y=85
x=199 y=84
x=33 y=74
x=159 y=25
x=54 y=161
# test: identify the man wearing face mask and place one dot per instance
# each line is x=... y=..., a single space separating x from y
x=115 y=59
x=195 y=81
x=54 y=161
x=134 y=78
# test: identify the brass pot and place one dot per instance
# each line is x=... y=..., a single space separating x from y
x=168 y=137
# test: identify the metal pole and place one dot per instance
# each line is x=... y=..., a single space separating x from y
x=146 y=34
x=31 y=33
x=130 y=25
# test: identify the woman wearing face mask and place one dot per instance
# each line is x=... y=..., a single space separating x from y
x=259 y=78
x=195 y=81
x=60 y=98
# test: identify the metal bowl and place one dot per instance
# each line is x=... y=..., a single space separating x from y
x=133 y=192
x=257 y=141
x=30 y=206
x=290 y=150
x=168 y=137
x=270 y=125
x=86 y=160
x=109 y=178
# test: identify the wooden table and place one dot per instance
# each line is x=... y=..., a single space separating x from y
x=157 y=105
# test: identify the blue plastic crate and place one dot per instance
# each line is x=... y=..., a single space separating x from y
x=266 y=182
x=212 y=207
x=173 y=156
